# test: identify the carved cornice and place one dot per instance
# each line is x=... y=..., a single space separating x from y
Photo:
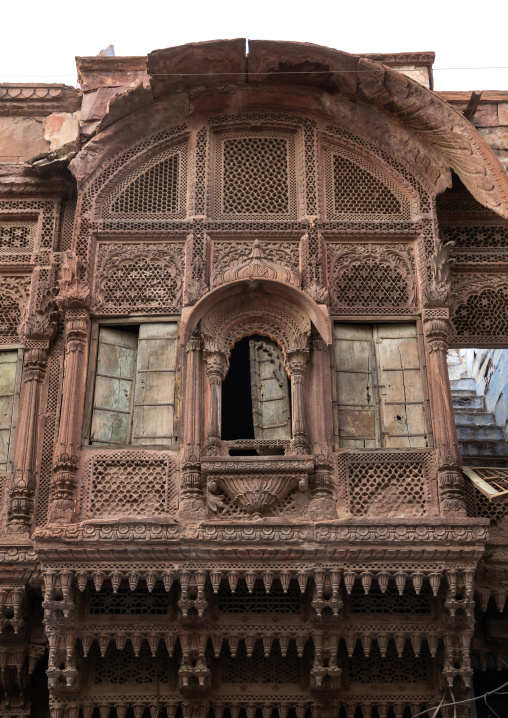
x=19 y=179
x=37 y=98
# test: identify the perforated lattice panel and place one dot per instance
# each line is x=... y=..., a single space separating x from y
x=477 y=504
x=129 y=485
x=255 y=176
x=471 y=237
x=139 y=277
x=371 y=283
x=391 y=669
x=128 y=603
x=485 y=313
x=55 y=367
x=69 y=213
x=377 y=488
x=390 y=602
x=124 y=668
x=241 y=601
x=17 y=235
x=260 y=668
x=357 y=189
x=154 y=189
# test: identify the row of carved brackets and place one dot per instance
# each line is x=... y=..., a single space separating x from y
x=247 y=708
x=327 y=581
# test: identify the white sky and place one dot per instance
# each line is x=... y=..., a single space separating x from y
x=40 y=38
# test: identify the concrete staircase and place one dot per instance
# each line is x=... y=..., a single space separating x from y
x=481 y=440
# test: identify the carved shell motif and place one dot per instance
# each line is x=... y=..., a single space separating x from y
x=257 y=266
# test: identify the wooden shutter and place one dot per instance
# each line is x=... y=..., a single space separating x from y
x=154 y=398
x=269 y=391
x=11 y=364
x=114 y=380
x=356 y=386
x=401 y=386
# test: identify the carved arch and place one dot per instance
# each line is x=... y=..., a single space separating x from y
x=256 y=313
x=278 y=310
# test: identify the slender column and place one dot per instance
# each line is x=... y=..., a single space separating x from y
x=66 y=458
x=436 y=327
x=191 y=490
x=73 y=300
x=297 y=363
x=216 y=365
x=22 y=489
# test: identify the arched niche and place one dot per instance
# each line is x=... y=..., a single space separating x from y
x=255 y=307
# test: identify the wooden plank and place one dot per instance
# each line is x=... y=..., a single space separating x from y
x=154 y=398
x=493 y=494
x=112 y=406
x=269 y=391
x=9 y=369
x=400 y=383
x=355 y=380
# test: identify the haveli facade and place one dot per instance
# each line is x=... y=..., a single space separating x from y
x=231 y=481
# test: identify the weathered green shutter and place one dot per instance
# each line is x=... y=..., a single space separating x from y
x=269 y=391
x=10 y=379
x=401 y=386
x=112 y=404
x=356 y=386
x=154 y=398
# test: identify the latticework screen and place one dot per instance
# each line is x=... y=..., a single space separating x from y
x=241 y=601
x=125 y=602
x=260 y=668
x=17 y=235
x=155 y=189
x=358 y=190
x=255 y=175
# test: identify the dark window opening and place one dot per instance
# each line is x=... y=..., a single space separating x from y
x=237 y=422
x=256 y=397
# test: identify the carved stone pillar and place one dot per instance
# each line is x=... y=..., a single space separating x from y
x=66 y=458
x=436 y=327
x=191 y=491
x=73 y=299
x=216 y=365
x=322 y=496
x=297 y=363
x=22 y=489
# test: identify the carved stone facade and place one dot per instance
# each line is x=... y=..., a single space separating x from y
x=180 y=532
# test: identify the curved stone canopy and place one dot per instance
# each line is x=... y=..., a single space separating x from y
x=187 y=71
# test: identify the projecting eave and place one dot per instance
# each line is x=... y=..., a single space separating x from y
x=360 y=79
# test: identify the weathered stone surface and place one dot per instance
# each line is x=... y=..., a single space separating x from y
x=497 y=137
x=502 y=111
x=486 y=115
x=201 y=64
x=37 y=98
x=21 y=137
x=60 y=128
x=106 y=71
